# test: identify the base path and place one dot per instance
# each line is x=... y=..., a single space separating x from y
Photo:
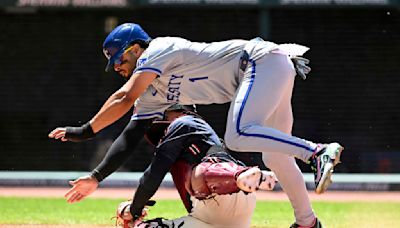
x=171 y=193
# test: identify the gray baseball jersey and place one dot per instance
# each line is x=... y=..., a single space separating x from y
x=191 y=73
x=260 y=117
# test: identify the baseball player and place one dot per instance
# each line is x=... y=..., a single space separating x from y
x=256 y=76
x=221 y=187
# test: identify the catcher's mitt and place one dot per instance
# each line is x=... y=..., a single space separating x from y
x=125 y=218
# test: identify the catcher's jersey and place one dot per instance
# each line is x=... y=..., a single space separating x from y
x=191 y=72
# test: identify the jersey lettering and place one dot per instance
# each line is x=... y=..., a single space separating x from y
x=174 y=85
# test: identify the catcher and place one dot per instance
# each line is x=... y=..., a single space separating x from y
x=216 y=189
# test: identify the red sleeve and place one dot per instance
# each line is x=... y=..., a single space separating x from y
x=179 y=172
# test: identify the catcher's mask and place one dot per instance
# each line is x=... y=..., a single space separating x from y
x=157 y=128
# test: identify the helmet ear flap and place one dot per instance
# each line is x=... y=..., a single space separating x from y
x=156 y=131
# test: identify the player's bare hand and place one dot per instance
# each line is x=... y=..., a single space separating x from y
x=58 y=133
x=81 y=188
x=73 y=134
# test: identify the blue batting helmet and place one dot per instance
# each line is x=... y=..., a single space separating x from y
x=119 y=40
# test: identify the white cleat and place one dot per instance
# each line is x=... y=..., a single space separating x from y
x=254 y=179
x=323 y=164
x=269 y=180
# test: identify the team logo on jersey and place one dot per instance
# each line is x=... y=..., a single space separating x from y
x=140 y=62
x=174 y=86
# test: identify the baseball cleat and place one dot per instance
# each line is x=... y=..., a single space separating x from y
x=322 y=163
x=254 y=179
x=317 y=224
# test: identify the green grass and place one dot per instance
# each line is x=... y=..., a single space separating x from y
x=268 y=214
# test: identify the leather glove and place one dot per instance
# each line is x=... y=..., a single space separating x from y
x=300 y=64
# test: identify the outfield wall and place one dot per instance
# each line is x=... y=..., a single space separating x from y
x=341 y=181
x=52 y=73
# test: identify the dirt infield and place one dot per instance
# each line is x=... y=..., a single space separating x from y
x=170 y=193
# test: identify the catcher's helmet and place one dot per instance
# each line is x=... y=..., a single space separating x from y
x=157 y=128
x=119 y=40
x=179 y=107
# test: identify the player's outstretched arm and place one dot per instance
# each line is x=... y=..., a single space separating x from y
x=81 y=188
x=121 y=101
x=114 y=108
x=75 y=134
x=121 y=149
x=116 y=155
